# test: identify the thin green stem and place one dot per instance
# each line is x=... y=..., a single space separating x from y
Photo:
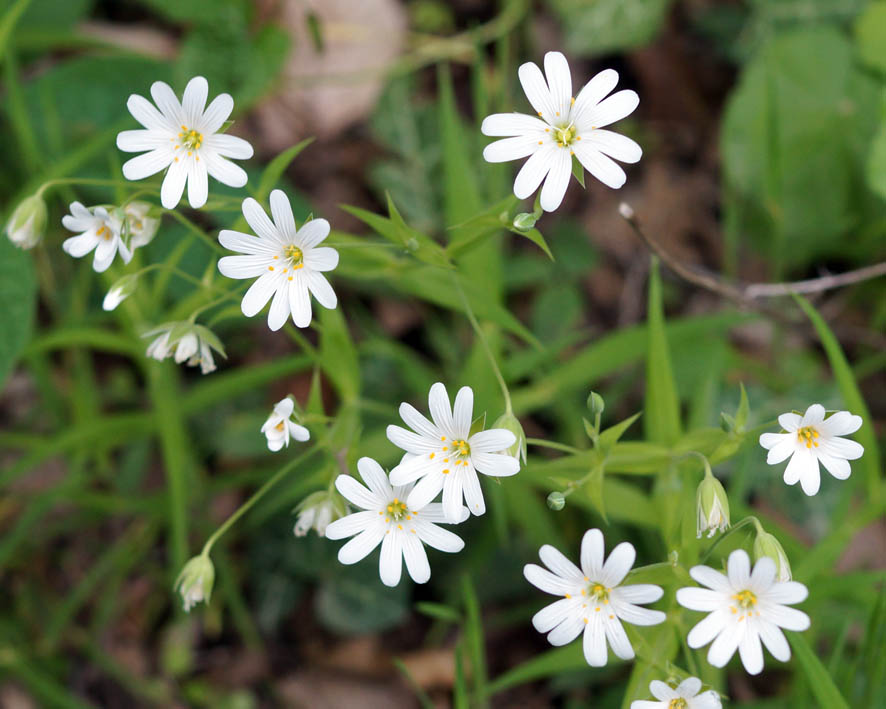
x=256 y=496
x=209 y=241
x=542 y=443
x=482 y=337
x=734 y=528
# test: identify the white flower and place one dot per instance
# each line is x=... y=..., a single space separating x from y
x=195 y=581
x=287 y=262
x=744 y=607
x=566 y=125
x=316 y=512
x=712 y=507
x=140 y=227
x=445 y=456
x=684 y=696
x=185 y=138
x=186 y=342
x=280 y=427
x=99 y=231
x=811 y=439
x=28 y=222
x=386 y=518
x=592 y=600
x=120 y=291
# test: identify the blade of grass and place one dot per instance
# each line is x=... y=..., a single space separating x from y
x=817 y=676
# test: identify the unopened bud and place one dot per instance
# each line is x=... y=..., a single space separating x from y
x=727 y=423
x=712 y=506
x=596 y=405
x=524 y=221
x=120 y=291
x=626 y=210
x=316 y=511
x=511 y=423
x=556 y=501
x=194 y=583
x=767 y=545
x=27 y=224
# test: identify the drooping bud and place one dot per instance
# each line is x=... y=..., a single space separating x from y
x=316 y=511
x=525 y=221
x=27 y=224
x=194 y=583
x=556 y=501
x=767 y=545
x=140 y=227
x=712 y=506
x=511 y=423
x=120 y=291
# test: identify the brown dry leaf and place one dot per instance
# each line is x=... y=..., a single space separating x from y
x=323 y=92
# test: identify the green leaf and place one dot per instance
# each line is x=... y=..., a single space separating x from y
x=876 y=164
x=550 y=663
x=18 y=298
x=439 y=611
x=870 y=35
x=662 y=407
x=741 y=415
x=817 y=676
x=274 y=171
x=604 y=26
x=474 y=640
x=578 y=171
x=535 y=236
x=852 y=398
x=338 y=356
x=594 y=490
x=609 y=437
x=358 y=602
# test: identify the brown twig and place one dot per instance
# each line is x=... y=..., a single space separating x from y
x=747 y=293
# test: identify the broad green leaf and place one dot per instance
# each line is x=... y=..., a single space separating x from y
x=604 y=26
x=610 y=436
x=870 y=35
x=817 y=677
x=852 y=398
x=18 y=298
x=662 y=407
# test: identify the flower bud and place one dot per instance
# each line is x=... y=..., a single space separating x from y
x=556 y=501
x=524 y=221
x=713 y=507
x=511 y=423
x=194 y=583
x=120 y=291
x=596 y=405
x=767 y=545
x=27 y=224
x=140 y=227
x=316 y=511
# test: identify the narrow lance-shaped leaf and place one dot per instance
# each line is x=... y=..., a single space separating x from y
x=662 y=419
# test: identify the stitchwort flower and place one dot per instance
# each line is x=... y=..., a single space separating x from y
x=811 y=439
x=183 y=139
x=288 y=263
x=684 y=696
x=566 y=125
x=386 y=518
x=744 y=607
x=445 y=456
x=185 y=342
x=99 y=231
x=592 y=599
x=280 y=427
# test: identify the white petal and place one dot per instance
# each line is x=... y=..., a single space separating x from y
x=774 y=640
x=552 y=615
x=146 y=113
x=452 y=496
x=566 y=632
x=409 y=441
x=636 y=615
x=787 y=592
x=299 y=433
x=259 y=293
x=279 y=311
x=216 y=114
x=639 y=593
x=229 y=146
x=789 y=422
x=788 y=618
x=814 y=415
x=194 y=100
x=434 y=513
x=548 y=582
x=738 y=569
x=473 y=493
x=592 y=553
x=390 y=561
x=725 y=645
x=751 y=652
x=594 y=642
x=148 y=164
x=534 y=171
x=801 y=461
x=246 y=243
x=438 y=404
x=699 y=599
x=312 y=233
x=707 y=700
x=426 y=490
x=492 y=441
x=661 y=691
x=104 y=254
x=618 y=639
x=592 y=93
x=614 y=145
x=360 y=546
x=462 y=412
x=300 y=301
x=763 y=575
x=842 y=448
x=357 y=494
x=224 y=170
x=350 y=525
x=689 y=687
x=418 y=423
x=321 y=289
x=612 y=109
x=711 y=578
x=603 y=168
x=555 y=560
x=557 y=180
x=416 y=558
x=512 y=148
x=810 y=479
x=706 y=629
x=259 y=222
x=495 y=464
x=281 y=211
x=167 y=102
x=438 y=538
x=173 y=184
x=841 y=423
x=781 y=446
x=559 y=83
x=620 y=561
x=323 y=258
x=512 y=124
x=79 y=246
x=536 y=89
x=374 y=477
x=135 y=141
x=198 y=184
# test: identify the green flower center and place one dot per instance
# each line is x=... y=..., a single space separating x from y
x=294 y=254
x=807 y=435
x=677 y=703
x=746 y=599
x=189 y=138
x=599 y=592
x=565 y=136
x=396 y=510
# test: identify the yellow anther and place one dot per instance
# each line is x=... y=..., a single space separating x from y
x=446 y=471
x=270 y=268
x=572 y=101
x=432 y=456
x=280 y=425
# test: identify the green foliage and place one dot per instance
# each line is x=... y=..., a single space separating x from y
x=18 y=299
x=870 y=35
x=662 y=420
x=607 y=25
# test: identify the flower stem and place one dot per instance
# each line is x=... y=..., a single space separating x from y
x=256 y=496
x=542 y=443
x=482 y=336
x=734 y=528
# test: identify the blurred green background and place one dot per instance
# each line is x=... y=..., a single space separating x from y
x=763 y=125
